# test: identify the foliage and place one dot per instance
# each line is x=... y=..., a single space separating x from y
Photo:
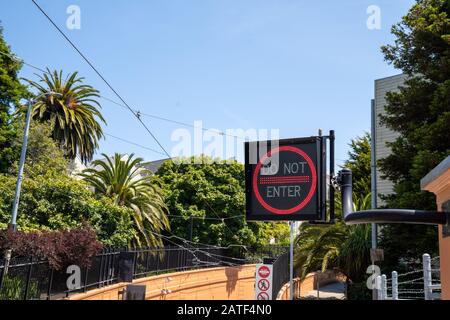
x=339 y=246
x=318 y=247
x=59 y=248
x=13 y=288
x=50 y=198
x=406 y=243
x=212 y=189
x=131 y=187
x=358 y=291
x=277 y=231
x=354 y=257
x=74 y=114
x=359 y=162
x=420 y=112
x=11 y=91
x=54 y=202
x=44 y=157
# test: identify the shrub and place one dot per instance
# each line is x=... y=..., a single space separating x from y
x=358 y=291
x=59 y=248
x=51 y=203
x=13 y=288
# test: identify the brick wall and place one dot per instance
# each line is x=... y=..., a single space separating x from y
x=228 y=283
x=438 y=182
x=309 y=284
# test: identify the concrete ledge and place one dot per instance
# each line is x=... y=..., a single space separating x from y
x=302 y=288
x=224 y=283
x=438 y=182
x=437 y=178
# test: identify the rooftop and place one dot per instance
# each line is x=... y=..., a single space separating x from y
x=436 y=173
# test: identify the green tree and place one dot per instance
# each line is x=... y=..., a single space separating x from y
x=55 y=202
x=52 y=200
x=420 y=113
x=359 y=162
x=11 y=91
x=132 y=187
x=44 y=157
x=339 y=246
x=277 y=231
x=74 y=114
x=210 y=191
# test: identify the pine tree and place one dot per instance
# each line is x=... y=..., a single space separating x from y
x=359 y=162
x=420 y=112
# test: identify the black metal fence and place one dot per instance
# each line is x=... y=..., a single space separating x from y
x=28 y=279
x=280 y=273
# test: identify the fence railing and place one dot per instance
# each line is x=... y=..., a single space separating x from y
x=28 y=279
x=280 y=273
x=423 y=284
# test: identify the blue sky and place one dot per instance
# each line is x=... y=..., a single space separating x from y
x=291 y=65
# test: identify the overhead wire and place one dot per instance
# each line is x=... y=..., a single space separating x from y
x=136 y=111
x=136 y=114
x=185 y=124
x=19 y=60
x=101 y=76
x=133 y=143
x=204 y=218
x=194 y=250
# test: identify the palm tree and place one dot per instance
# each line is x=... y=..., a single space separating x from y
x=318 y=247
x=346 y=248
x=73 y=113
x=131 y=186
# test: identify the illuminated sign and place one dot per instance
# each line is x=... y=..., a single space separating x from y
x=285 y=179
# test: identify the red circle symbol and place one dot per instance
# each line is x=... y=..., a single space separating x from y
x=263 y=296
x=263 y=285
x=313 y=181
x=264 y=272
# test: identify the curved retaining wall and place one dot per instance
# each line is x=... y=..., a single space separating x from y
x=308 y=284
x=225 y=283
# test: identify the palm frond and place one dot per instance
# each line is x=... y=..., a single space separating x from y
x=123 y=181
x=73 y=114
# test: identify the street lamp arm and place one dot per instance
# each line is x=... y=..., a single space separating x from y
x=397 y=216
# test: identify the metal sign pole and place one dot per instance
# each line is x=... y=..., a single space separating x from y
x=291 y=254
x=13 y=224
x=373 y=186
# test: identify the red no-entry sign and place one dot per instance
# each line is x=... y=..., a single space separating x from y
x=284 y=180
x=264 y=272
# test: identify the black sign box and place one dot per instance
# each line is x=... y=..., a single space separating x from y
x=285 y=179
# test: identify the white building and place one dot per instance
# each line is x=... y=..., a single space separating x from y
x=76 y=166
x=383 y=134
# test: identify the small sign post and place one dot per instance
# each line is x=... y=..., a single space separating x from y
x=291 y=260
x=263 y=282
